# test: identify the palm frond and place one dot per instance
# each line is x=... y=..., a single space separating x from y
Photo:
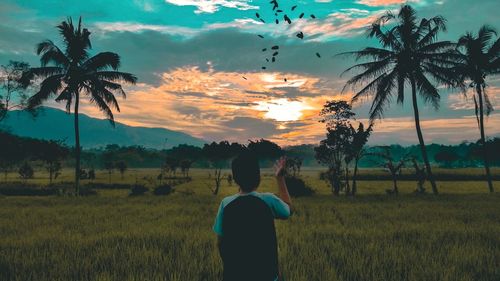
x=383 y=96
x=39 y=72
x=50 y=53
x=427 y=90
x=116 y=76
x=50 y=86
x=102 y=61
x=484 y=36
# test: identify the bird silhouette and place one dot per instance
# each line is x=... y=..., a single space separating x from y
x=275 y=47
x=275 y=54
x=300 y=35
x=293 y=7
x=260 y=36
x=318 y=55
x=301 y=16
x=313 y=16
x=265 y=49
x=287 y=19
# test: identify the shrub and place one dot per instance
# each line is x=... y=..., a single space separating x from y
x=163 y=190
x=138 y=190
x=86 y=190
x=21 y=189
x=297 y=187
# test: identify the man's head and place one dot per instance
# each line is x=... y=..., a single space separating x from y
x=246 y=171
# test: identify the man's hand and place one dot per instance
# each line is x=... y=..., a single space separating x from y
x=279 y=172
x=280 y=167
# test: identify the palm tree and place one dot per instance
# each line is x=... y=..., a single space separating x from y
x=479 y=57
x=74 y=73
x=410 y=53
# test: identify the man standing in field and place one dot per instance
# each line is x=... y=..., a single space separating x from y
x=245 y=223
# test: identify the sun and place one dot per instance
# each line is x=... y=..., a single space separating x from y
x=282 y=109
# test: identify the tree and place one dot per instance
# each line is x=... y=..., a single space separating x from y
x=332 y=150
x=26 y=171
x=185 y=166
x=218 y=154
x=479 y=57
x=355 y=151
x=11 y=152
x=74 y=73
x=14 y=95
x=392 y=166
x=122 y=167
x=447 y=157
x=110 y=167
x=172 y=163
x=52 y=153
x=410 y=55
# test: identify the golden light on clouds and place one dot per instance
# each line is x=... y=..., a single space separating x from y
x=282 y=109
x=217 y=105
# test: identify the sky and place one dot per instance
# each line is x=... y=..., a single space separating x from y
x=198 y=64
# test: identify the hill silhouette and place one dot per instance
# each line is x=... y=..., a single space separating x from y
x=56 y=124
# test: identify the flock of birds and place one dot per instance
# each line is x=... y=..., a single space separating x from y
x=274 y=50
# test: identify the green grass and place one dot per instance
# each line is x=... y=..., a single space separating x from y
x=454 y=236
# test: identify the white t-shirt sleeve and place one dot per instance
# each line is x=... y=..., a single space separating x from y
x=280 y=209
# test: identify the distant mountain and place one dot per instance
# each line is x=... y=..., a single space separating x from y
x=56 y=124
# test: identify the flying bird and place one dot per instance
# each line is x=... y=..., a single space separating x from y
x=275 y=54
x=300 y=35
x=262 y=21
x=293 y=8
x=263 y=67
x=318 y=55
x=257 y=15
x=244 y=77
x=301 y=16
x=274 y=59
x=287 y=19
x=279 y=11
x=277 y=21
x=285 y=79
x=260 y=36
x=267 y=60
x=265 y=49
x=275 y=47
x=313 y=16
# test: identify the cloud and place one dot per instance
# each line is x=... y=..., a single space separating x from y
x=212 y=6
x=375 y=3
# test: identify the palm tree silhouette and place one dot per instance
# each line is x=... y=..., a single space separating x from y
x=410 y=52
x=74 y=72
x=479 y=57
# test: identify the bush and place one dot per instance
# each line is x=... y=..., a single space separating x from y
x=86 y=190
x=109 y=185
x=297 y=187
x=138 y=190
x=21 y=189
x=163 y=190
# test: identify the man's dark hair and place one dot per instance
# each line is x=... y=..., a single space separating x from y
x=246 y=171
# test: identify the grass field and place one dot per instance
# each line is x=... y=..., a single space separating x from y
x=111 y=236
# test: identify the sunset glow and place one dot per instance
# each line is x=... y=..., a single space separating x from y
x=201 y=72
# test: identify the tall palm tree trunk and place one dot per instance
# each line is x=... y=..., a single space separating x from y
x=483 y=138
x=421 y=138
x=77 y=145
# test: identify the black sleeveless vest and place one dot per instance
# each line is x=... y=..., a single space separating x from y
x=249 y=249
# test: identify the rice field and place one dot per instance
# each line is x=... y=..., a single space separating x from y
x=112 y=236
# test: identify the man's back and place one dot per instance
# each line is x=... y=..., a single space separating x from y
x=249 y=249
